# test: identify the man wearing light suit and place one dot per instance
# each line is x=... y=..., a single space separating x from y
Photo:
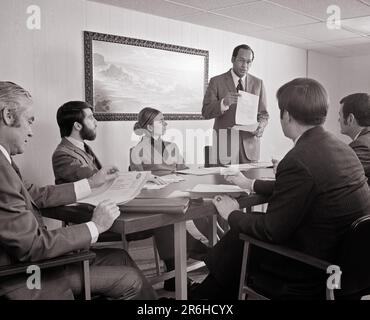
x=220 y=103
x=23 y=235
x=354 y=120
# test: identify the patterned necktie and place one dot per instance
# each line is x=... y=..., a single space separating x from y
x=240 y=85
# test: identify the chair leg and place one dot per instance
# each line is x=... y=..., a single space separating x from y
x=86 y=279
x=241 y=295
x=156 y=257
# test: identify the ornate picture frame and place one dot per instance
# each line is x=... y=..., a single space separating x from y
x=123 y=75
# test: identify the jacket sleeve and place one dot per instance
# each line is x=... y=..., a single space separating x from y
x=212 y=101
x=69 y=169
x=20 y=234
x=262 y=115
x=52 y=196
x=291 y=200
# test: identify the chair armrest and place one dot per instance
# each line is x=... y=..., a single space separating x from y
x=293 y=254
x=49 y=263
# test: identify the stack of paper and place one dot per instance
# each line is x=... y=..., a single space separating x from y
x=201 y=171
x=211 y=190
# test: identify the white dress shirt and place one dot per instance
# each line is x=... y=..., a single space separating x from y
x=81 y=188
x=236 y=82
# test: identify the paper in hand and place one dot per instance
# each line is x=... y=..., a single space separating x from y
x=246 y=109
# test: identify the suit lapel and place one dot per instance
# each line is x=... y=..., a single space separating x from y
x=87 y=158
x=230 y=82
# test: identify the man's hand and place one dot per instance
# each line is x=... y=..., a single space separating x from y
x=259 y=131
x=231 y=98
x=275 y=163
x=104 y=175
x=240 y=180
x=225 y=205
x=104 y=215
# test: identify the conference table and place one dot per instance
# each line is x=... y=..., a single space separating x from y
x=128 y=223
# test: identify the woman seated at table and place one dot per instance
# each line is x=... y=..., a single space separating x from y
x=152 y=153
x=162 y=157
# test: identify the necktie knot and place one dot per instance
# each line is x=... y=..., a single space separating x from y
x=240 y=85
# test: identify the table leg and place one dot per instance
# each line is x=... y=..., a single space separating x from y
x=180 y=261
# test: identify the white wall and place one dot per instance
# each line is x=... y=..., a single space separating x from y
x=340 y=76
x=49 y=63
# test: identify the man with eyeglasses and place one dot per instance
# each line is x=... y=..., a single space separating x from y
x=220 y=103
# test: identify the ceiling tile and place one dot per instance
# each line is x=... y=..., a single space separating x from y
x=224 y=23
x=332 y=51
x=318 y=8
x=349 y=42
x=319 y=32
x=265 y=14
x=210 y=4
x=279 y=37
x=361 y=25
x=156 y=7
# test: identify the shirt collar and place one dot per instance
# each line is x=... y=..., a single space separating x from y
x=6 y=154
x=357 y=135
x=76 y=143
x=236 y=78
x=296 y=139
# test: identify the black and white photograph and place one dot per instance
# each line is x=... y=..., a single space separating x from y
x=189 y=157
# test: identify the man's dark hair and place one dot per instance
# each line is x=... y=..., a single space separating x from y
x=359 y=105
x=305 y=99
x=242 y=46
x=69 y=113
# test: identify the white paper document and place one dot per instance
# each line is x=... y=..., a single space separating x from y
x=201 y=171
x=211 y=190
x=124 y=188
x=246 y=112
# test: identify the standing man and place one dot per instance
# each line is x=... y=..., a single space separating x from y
x=220 y=103
x=25 y=238
x=354 y=120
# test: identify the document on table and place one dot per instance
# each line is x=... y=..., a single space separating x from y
x=201 y=171
x=211 y=190
x=124 y=188
x=246 y=112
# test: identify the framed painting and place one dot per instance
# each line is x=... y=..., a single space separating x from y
x=124 y=75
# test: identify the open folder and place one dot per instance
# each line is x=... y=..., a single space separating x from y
x=157 y=205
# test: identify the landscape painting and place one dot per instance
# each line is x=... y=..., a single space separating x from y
x=124 y=75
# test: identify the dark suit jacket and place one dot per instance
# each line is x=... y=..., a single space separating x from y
x=320 y=190
x=362 y=148
x=23 y=236
x=71 y=164
x=217 y=89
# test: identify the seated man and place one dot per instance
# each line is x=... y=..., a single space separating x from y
x=24 y=237
x=354 y=120
x=73 y=159
x=320 y=190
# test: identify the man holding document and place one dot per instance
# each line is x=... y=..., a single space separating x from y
x=237 y=101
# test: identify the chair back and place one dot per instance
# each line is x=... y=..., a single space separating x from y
x=355 y=258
